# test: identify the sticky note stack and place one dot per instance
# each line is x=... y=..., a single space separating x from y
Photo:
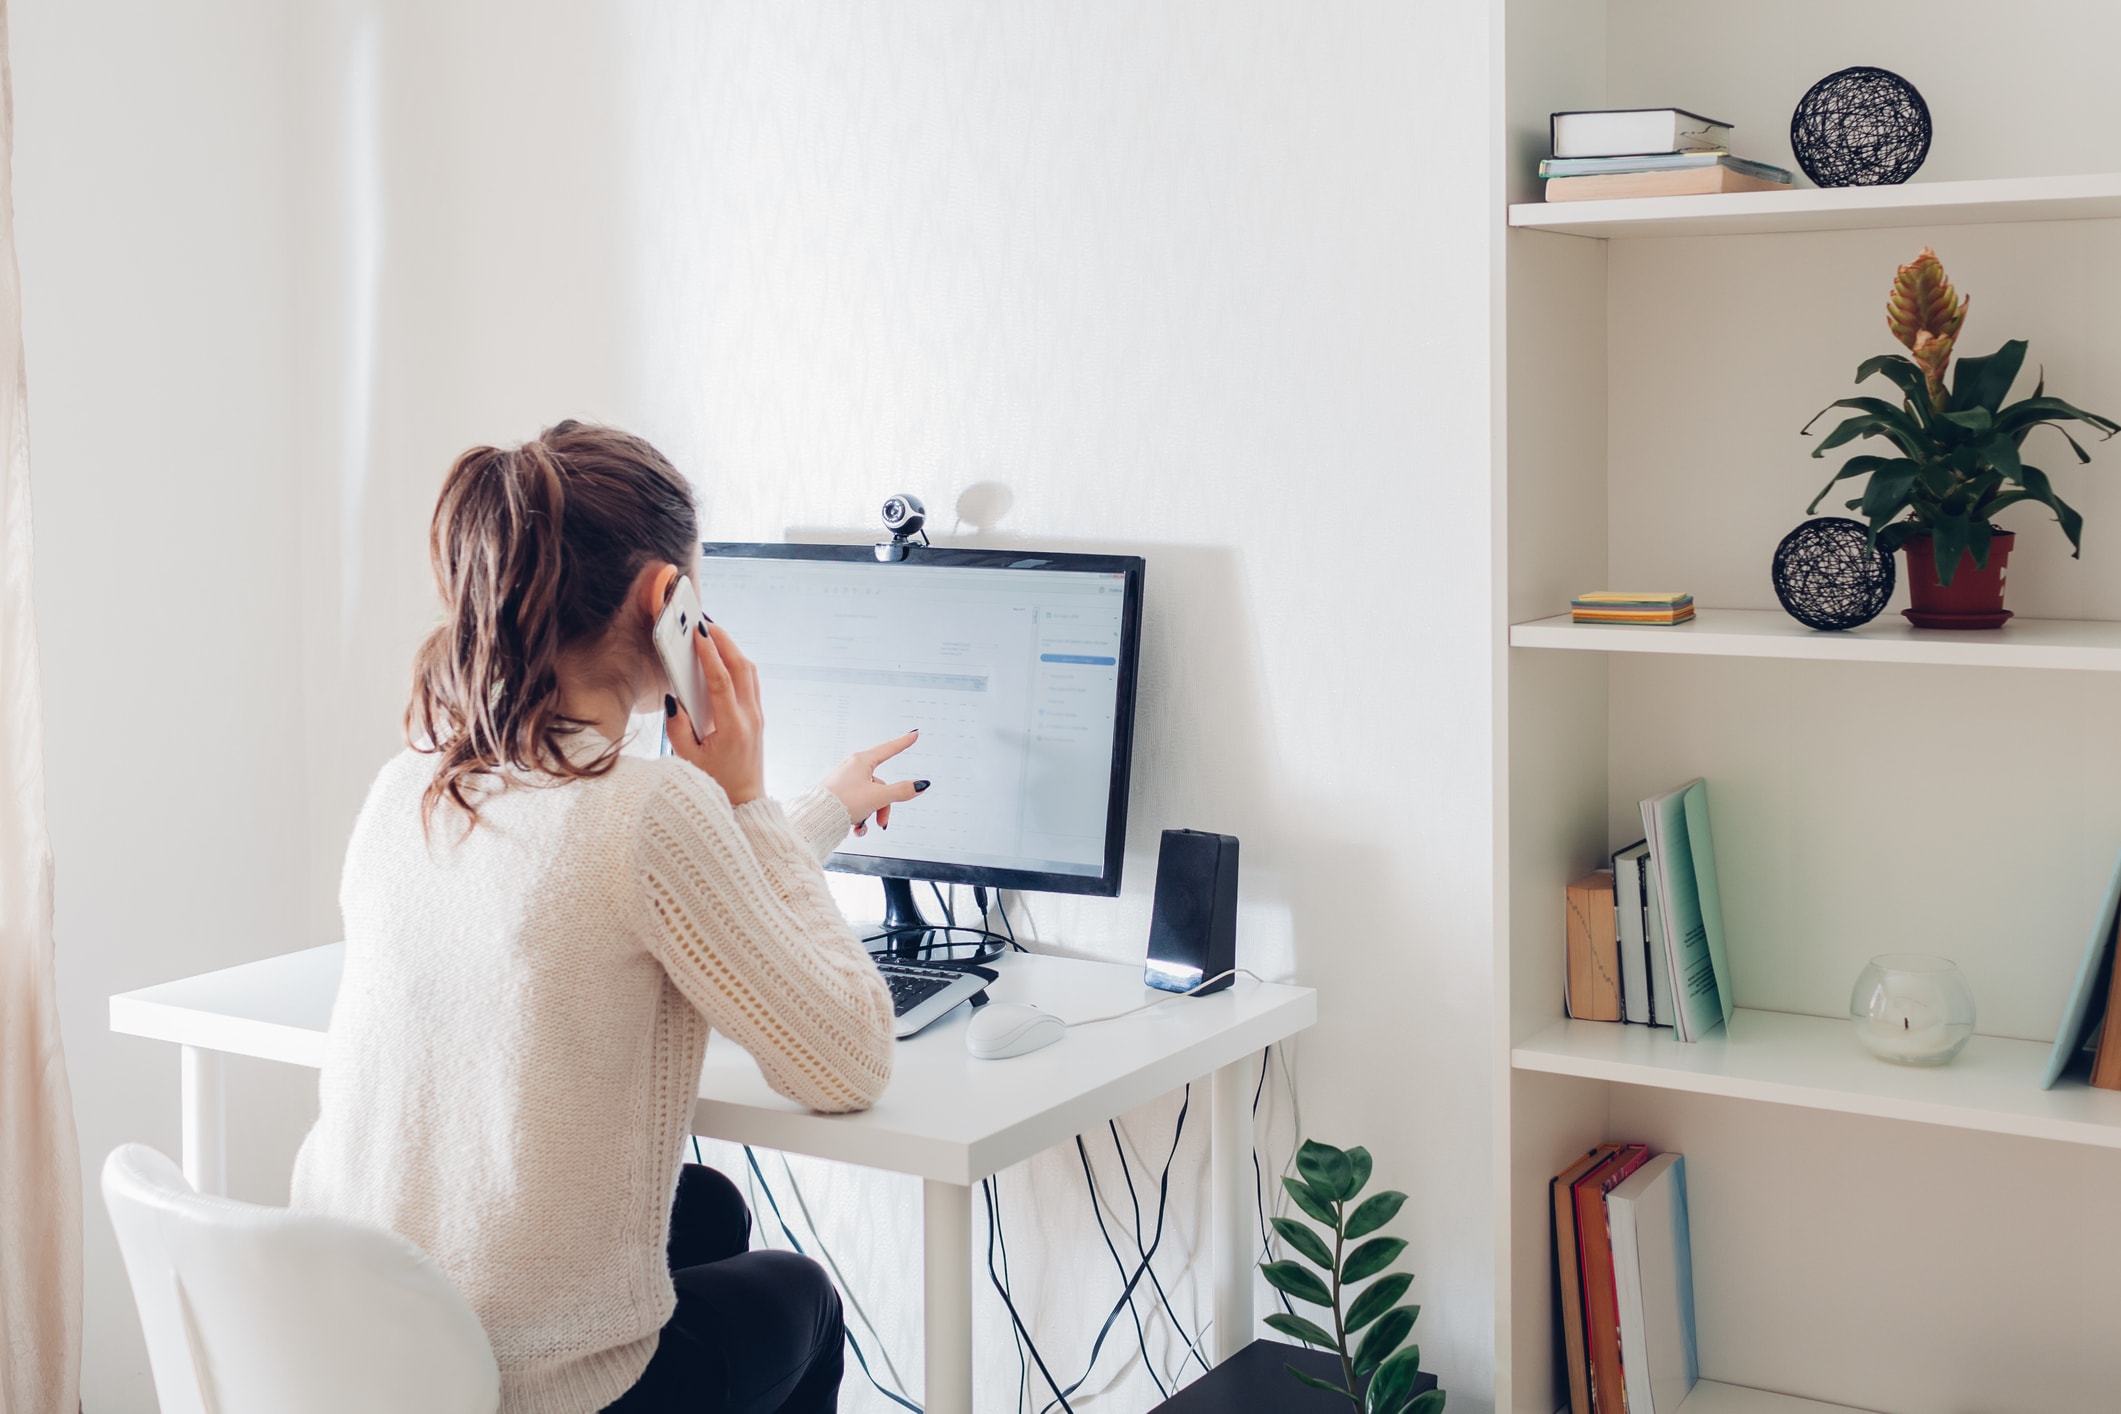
x=1620 y=606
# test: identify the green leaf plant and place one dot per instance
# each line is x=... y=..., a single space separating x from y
x=1327 y=1184
x=1959 y=450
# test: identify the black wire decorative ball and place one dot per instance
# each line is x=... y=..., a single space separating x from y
x=1828 y=576
x=1861 y=127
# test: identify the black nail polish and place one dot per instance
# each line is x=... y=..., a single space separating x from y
x=704 y=621
x=670 y=705
x=919 y=786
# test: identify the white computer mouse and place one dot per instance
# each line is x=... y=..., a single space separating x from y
x=999 y=1030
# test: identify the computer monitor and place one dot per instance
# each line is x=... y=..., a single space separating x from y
x=1017 y=666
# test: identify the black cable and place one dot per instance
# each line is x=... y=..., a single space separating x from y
x=1259 y=1182
x=1023 y=1366
x=987 y=946
x=1141 y=1336
x=1162 y=1201
x=949 y=913
x=987 y=1191
x=1127 y=1171
x=789 y=1233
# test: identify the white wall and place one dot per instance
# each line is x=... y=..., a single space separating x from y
x=1202 y=281
x=150 y=197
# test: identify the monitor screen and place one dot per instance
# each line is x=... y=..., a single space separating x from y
x=1018 y=669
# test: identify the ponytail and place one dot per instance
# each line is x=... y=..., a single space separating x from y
x=533 y=549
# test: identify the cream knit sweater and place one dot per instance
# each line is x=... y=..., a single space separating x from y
x=518 y=1036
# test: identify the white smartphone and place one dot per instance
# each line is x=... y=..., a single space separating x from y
x=675 y=628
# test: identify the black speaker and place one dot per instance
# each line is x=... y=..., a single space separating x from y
x=1193 y=930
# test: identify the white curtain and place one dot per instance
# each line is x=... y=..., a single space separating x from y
x=40 y=1174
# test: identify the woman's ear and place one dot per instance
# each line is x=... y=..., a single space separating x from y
x=653 y=586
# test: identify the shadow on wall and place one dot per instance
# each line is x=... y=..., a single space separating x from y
x=1206 y=755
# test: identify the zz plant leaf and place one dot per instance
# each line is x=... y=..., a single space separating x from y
x=1957 y=448
x=1366 y=1328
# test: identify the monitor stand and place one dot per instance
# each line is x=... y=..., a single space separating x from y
x=909 y=931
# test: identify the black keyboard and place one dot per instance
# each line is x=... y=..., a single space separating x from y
x=912 y=984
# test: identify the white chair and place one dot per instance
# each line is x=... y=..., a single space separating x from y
x=251 y=1310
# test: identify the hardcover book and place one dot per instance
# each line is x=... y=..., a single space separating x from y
x=1574 y=1352
x=1601 y=1314
x=1591 y=976
x=1634 y=945
x=1610 y=132
x=1653 y=1277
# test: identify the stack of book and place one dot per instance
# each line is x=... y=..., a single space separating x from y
x=1630 y=606
x=1643 y=941
x=1625 y=1259
x=1648 y=152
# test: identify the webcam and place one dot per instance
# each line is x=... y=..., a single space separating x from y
x=904 y=515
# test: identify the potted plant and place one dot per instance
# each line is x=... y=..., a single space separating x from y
x=1957 y=455
x=1377 y=1375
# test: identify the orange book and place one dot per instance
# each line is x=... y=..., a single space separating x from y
x=1601 y=1298
x=1592 y=949
x=1565 y=1262
x=2106 y=1061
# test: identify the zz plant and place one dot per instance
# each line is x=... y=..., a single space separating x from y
x=1330 y=1181
x=1958 y=450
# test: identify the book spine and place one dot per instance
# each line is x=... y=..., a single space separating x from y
x=2106 y=1061
x=1593 y=954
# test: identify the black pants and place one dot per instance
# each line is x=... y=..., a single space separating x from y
x=754 y=1332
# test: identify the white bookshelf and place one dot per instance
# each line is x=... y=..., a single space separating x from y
x=2090 y=197
x=1651 y=388
x=1815 y=1061
x=2091 y=645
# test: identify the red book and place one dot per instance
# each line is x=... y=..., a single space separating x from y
x=1601 y=1299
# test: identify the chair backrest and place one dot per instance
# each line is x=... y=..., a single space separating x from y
x=251 y=1310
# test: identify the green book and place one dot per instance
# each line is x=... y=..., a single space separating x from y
x=1683 y=883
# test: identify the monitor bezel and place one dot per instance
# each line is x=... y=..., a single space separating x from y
x=1106 y=883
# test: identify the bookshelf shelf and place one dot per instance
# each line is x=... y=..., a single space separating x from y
x=2094 y=196
x=1816 y=1063
x=1709 y=1397
x=2082 y=644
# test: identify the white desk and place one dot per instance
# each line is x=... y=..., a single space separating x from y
x=947 y=1118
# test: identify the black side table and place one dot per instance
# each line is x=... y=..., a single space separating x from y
x=1253 y=1382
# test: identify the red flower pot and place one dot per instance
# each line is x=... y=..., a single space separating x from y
x=1974 y=598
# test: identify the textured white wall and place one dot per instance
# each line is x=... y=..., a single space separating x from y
x=1208 y=282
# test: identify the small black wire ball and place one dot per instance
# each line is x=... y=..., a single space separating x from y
x=1861 y=127
x=1828 y=576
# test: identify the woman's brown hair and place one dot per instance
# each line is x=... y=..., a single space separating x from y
x=534 y=549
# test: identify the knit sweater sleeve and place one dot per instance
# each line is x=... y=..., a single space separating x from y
x=738 y=913
x=818 y=819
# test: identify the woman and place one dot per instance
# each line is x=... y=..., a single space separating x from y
x=540 y=933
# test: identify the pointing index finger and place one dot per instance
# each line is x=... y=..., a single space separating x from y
x=884 y=751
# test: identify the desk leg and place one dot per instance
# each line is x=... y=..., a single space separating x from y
x=205 y=1133
x=946 y=1237
x=1230 y=1206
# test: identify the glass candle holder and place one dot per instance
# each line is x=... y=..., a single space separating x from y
x=1912 y=1009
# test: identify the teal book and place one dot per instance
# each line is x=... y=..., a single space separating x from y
x=1653 y=1279
x=2080 y=1019
x=1683 y=883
